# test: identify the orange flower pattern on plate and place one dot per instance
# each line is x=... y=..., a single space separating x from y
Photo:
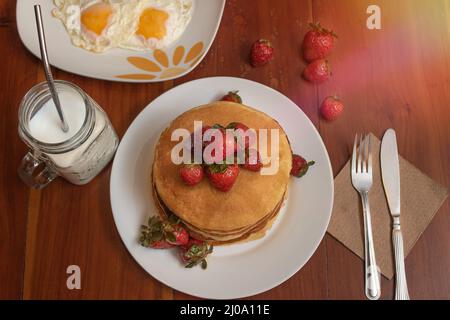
x=162 y=67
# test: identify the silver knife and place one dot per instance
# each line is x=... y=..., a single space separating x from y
x=390 y=171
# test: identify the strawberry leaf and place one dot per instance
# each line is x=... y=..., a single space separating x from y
x=218 y=167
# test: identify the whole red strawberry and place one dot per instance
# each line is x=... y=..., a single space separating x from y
x=317 y=71
x=318 y=43
x=331 y=108
x=191 y=174
x=232 y=96
x=261 y=53
x=239 y=138
x=175 y=234
x=204 y=129
x=300 y=166
x=256 y=167
x=228 y=145
x=222 y=176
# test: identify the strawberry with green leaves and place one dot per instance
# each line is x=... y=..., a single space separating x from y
x=152 y=235
x=232 y=96
x=195 y=252
x=261 y=53
x=229 y=146
x=159 y=234
x=240 y=126
x=300 y=166
x=167 y=234
x=318 y=43
x=222 y=176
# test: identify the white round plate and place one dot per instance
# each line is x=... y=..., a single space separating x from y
x=238 y=270
x=172 y=62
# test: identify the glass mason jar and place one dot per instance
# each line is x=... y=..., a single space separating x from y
x=77 y=157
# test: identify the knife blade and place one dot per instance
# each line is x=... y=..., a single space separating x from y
x=390 y=171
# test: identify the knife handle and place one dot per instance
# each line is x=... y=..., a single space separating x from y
x=401 y=288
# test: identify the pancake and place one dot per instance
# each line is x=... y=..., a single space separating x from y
x=253 y=201
x=253 y=233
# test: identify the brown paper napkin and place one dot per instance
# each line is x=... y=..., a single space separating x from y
x=421 y=197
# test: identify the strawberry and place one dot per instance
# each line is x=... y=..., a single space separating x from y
x=232 y=96
x=300 y=166
x=204 y=129
x=261 y=53
x=318 y=43
x=195 y=252
x=160 y=244
x=331 y=108
x=244 y=128
x=222 y=176
x=228 y=148
x=163 y=234
x=152 y=235
x=252 y=167
x=317 y=71
x=175 y=234
x=191 y=242
x=191 y=174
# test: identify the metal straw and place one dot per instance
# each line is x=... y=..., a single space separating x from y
x=48 y=71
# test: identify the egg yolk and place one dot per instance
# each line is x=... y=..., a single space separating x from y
x=96 y=17
x=152 y=24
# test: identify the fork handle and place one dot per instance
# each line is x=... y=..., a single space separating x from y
x=372 y=277
x=401 y=288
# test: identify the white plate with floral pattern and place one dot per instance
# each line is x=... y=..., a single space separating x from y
x=237 y=270
x=172 y=62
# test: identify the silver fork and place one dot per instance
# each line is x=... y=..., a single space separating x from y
x=362 y=182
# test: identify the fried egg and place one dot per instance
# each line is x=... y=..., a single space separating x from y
x=100 y=25
x=161 y=22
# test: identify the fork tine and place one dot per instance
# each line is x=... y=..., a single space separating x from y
x=360 y=155
x=354 y=154
x=366 y=153
x=369 y=170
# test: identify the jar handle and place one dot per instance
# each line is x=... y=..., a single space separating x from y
x=35 y=180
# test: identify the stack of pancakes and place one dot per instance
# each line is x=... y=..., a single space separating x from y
x=243 y=213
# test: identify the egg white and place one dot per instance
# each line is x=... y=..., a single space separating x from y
x=120 y=27
x=180 y=14
x=123 y=23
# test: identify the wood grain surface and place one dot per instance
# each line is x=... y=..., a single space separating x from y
x=397 y=77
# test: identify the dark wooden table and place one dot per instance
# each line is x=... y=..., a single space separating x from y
x=398 y=77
